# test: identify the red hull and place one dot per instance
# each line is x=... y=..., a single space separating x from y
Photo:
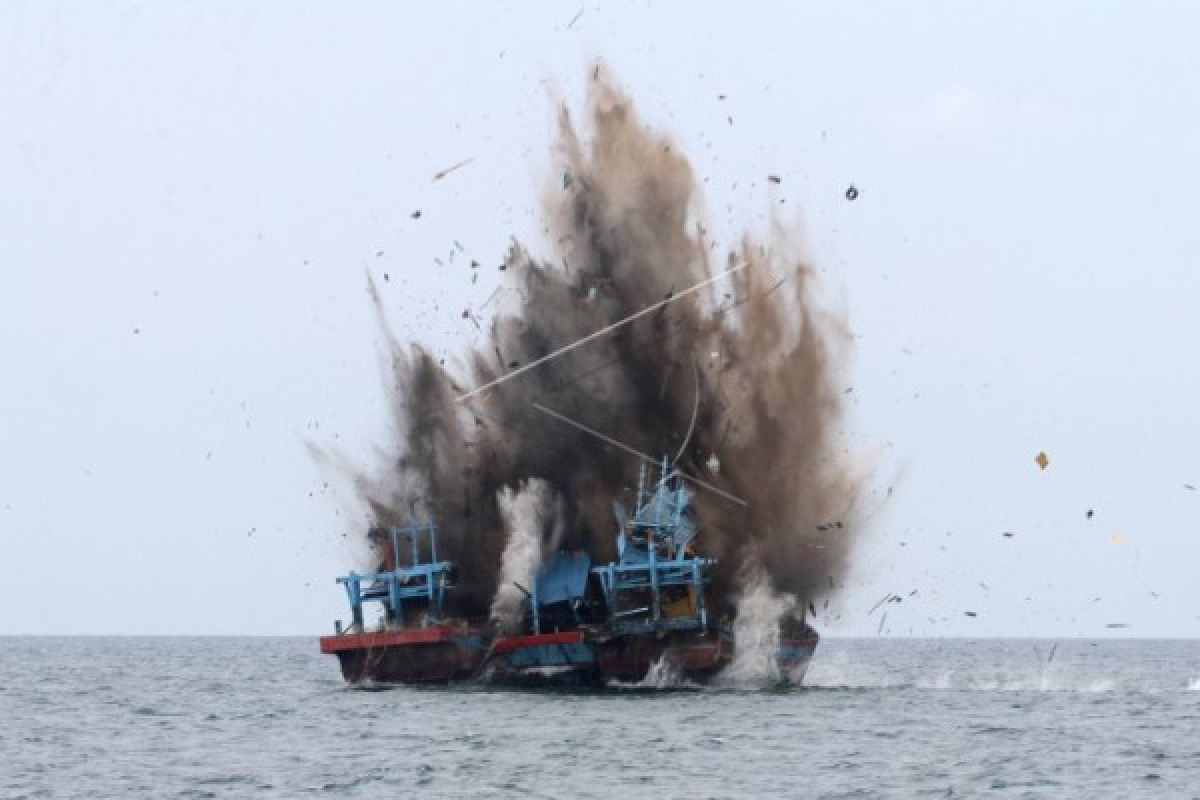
x=424 y=655
x=630 y=657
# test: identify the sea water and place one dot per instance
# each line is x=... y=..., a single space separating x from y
x=270 y=717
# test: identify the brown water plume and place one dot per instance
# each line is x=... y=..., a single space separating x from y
x=740 y=384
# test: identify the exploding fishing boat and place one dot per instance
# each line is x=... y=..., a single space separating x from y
x=415 y=641
x=640 y=618
x=654 y=593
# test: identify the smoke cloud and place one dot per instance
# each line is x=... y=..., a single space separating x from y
x=751 y=368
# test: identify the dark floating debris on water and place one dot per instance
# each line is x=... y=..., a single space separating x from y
x=1090 y=513
x=774 y=179
x=1008 y=534
x=971 y=613
x=415 y=215
x=852 y=193
x=1189 y=487
x=1117 y=625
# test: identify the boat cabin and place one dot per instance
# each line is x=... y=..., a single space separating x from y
x=657 y=582
x=412 y=594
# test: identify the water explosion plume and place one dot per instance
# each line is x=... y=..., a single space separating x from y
x=739 y=384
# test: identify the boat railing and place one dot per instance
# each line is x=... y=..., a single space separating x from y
x=425 y=581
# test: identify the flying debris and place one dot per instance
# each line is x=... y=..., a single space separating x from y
x=622 y=365
x=437 y=176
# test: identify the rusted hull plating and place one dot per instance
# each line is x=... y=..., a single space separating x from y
x=433 y=655
x=692 y=655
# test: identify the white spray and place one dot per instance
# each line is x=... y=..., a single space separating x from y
x=760 y=610
x=533 y=517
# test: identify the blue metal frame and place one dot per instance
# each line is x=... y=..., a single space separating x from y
x=656 y=558
x=428 y=580
x=561 y=579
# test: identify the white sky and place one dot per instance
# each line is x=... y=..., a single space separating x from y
x=1019 y=272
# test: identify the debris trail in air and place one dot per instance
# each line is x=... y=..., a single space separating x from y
x=724 y=362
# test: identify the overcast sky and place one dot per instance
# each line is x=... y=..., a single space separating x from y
x=192 y=194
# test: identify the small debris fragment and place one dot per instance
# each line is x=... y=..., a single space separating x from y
x=774 y=179
x=1090 y=513
x=137 y=331
x=568 y=179
x=1117 y=625
x=378 y=253
x=1008 y=534
x=714 y=466
x=386 y=277
x=1117 y=538
x=852 y=193
x=1189 y=487
x=575 y=18
x=415 y=215
x=971 y=613
x=437 y=176
x=466 y=313
x=1042 y=460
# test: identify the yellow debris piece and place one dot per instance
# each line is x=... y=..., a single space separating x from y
x=1117 y=538
x=1042 y=459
